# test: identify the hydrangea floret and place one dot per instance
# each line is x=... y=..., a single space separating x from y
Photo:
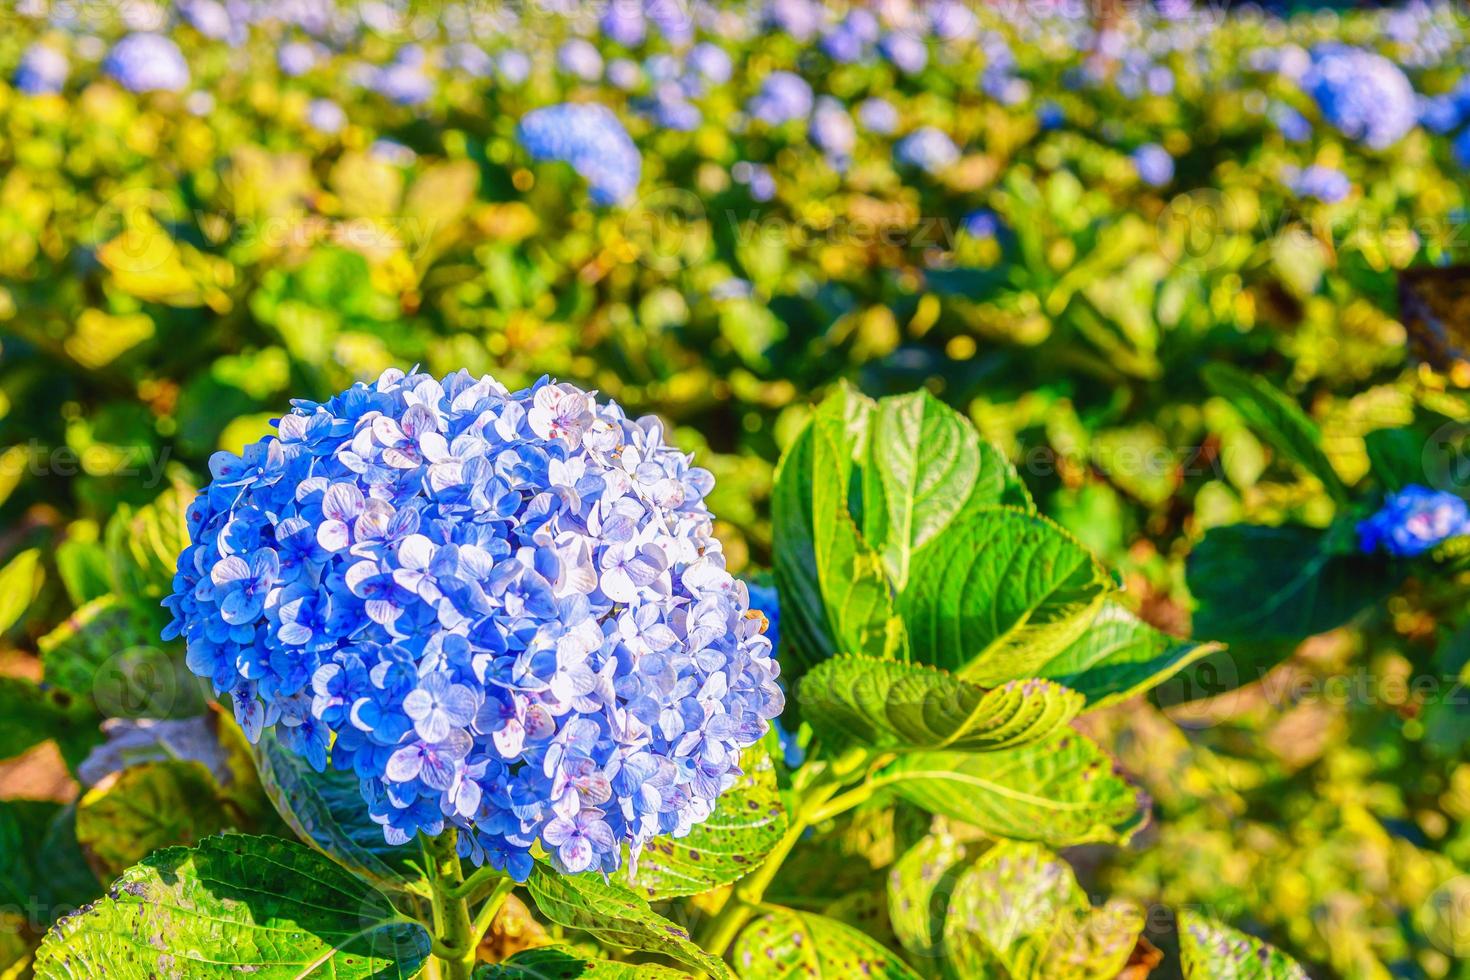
x=505 y=612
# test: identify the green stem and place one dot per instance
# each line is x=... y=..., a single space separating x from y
x=454 y=942
x=503 y=887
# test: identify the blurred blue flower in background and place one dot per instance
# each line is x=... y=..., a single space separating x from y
x=590 y=138
x=1324 y=183
x=927 y=148
x=325 y=116
x=783 y=96
x=1363 y=94
x=43 y=70
x=832 y=131
x=1154 y=164
x=878 y=116
x=580 y=59
x=147 y=63
x=1412 y=521
x=906 y=53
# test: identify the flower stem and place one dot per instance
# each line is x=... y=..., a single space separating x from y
x=454 y=942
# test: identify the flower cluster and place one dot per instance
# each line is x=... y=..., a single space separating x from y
x=1326 y=184
x=147 y=63
x=503 y=611
x=42 y=71
x=1154 y=164
x=592 y=139
x=1366 y=96
x=927 y=148
x=1412 y=521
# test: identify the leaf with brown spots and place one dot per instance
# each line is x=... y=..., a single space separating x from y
x=1211 y=951
x=785 y=943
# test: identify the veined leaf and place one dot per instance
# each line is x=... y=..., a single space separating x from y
x=1255 y=583
x=806 y=639
x=235 y=905
x=998 y=594
x=34 y=714
x=785 y=943
x=925 y=466
x=614 y=914
x=919 y=888
x=1061 y=791
x=1211 y=951
x=1018 y=912
x=887 y=705
x=145 y=807
x=749 y=818
x=326 y=810
x=560 y=963
x=1120 y=656
x=1278 y=420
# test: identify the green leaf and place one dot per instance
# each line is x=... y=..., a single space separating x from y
x=998 y=594
x=806 y=639
x=1061 y=791
x=925 y=465
x=1253 y=583
x=1396 y=457
x=560 y=963
x=1121 y=656
x=145 y=807
x=32 y=714
x=1277 y=419
x=43 y=873
x=236 y=905
x=1018 y=912
x=326 y=810
x=749 y=818
x=20 y=580
x=892 y=706
x=919 y=887
x=82 y=562
x=785 y=943
x=1211 y=951
x=856 y=591
x=615 y=915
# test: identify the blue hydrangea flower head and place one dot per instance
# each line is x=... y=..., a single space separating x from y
x=711 y=62
x=1461 y=148
x=799 y=18
x=1290 y=123
x=1326 y=184
x=1154 y=164
x=878 y=116
x=210 y=18
x=623 y=23
x=1364 y=95
x=325 y=116
x=757 y=178
x=147 y=63
x=928 y=149
x=503 y=611
x=43 y=70
x=905 y=51
x=590 y=138
x=832 y=130
x=981 y=223
x=296 y=58
x=783 y=96
x=580 y=59
x=1412 y=521
x=513 y=66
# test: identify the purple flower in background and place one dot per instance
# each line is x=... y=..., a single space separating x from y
x=1364 y=95
x=590 y=138
x=43 y=70
x=1461 y=149
x=1154 y=164
x=783 y=96
x=147 y=63
x=325 y=116
x=580 y=59
x=513 y=67
x=928 y=149
x=469 y=59
x=298 y=57
x=799 y=18
x=711 y=62
x=210 y=18
x=1291 y=124
x=1049 y=115
x=515 y=618
x=623 y=22
x=981 y=223
x=832 y=130
x=878 y=116
x=403 y=81
x=1324 y=183
x=907 y=53
x=757 y=178
x=1412 y=521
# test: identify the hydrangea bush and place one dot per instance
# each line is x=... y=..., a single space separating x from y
x=504 y=611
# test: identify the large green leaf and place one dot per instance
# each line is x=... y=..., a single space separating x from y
x=1061 y=791
x=919 y=887
x=560 y=963
x=145 y=807
x=855 y=588
x=616 y=915
x=1253 y=583
x=1018 y=912
x=326 y=810
x=806 y=639
x=785 y=943
x=1120 y=656
x=1278 y=420
x=1211 y=951
x=236 y=905
x=43 y=873
x=998 y=594
x=887 y=705
x=19 y=581
x=749 y=818
x=926 y=465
